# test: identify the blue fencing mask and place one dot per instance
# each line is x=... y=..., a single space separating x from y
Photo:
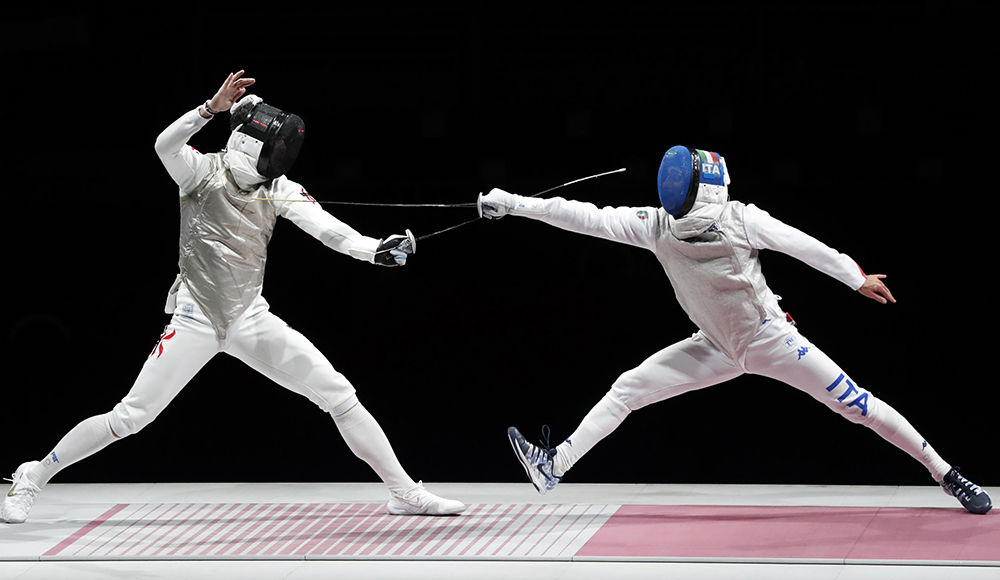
x=682 y=171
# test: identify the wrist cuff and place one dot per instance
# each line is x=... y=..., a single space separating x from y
x=209 y=109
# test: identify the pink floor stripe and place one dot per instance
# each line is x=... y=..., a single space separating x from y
x=277 y=530
x=472 y=528
x=182 y=529
x=226 y=531
x=256 y=535
x=487 y=530
x=518 y=527
x=126 y=535
x=367 y=530
x=322 y=528
x=413 y=531
x=332 y=544
x=567 y=521
x=55 y=550
x=459 y=529
x=237 y=513
x=388 y=533
x=585 y=521
x=823 y=533
x=314 y=513
x=177 y=524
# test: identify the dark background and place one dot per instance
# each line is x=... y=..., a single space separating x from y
x=870 y=126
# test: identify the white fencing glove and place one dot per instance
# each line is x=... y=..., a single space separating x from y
x=496 y=204
x=394 y=250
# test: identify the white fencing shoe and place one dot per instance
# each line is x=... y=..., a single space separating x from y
x=420 y=502
x=18 y=501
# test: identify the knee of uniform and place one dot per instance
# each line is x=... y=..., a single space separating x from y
x=625 y=388
x=128 y=420
x=329 y=396
x=861 y=409
x=335 y=399
x=343 y=406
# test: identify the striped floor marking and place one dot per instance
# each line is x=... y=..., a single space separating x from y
x=340 y=530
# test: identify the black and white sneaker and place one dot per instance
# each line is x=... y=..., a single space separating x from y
x=973 y=498
x=537 y=460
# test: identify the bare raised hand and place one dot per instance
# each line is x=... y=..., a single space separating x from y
x=231 y=90
x=876 y=290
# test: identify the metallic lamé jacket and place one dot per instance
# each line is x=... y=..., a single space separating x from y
x=223 y=244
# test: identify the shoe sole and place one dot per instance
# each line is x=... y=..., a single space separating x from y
x=974 y=509
x=403 y=512
x=524 y=460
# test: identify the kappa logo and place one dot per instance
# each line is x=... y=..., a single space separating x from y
x=158 y=349
x=803 y=351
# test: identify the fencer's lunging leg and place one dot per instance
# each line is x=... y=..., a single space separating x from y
x=895 y=429
x=88 y=437
x=688 y=365
x=600 y=422
x=367 y=440
x=782 y=353
x=365 y=437
x=268 y=345
x=182 y=351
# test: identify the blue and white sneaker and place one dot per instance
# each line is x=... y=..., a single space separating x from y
x=537 y=460
x=973 y=498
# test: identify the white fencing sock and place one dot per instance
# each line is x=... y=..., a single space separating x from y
x=895 y=429
x=88 y=437
x=604 y=418
x=367 y=440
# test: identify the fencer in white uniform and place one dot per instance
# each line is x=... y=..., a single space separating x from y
x=229 y=203
x=708 y=246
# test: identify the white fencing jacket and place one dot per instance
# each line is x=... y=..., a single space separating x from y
x=224 y=231
x=714 y=268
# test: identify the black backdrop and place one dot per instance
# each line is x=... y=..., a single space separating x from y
x=869 y=126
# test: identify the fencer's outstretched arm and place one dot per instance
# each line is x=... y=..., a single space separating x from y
x=293 y=203
x=767 y=233
x=186 y=166
x=635 y=226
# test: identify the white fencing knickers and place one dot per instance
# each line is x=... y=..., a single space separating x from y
x=265 y=343
x=258 y=338
x=779 y=352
